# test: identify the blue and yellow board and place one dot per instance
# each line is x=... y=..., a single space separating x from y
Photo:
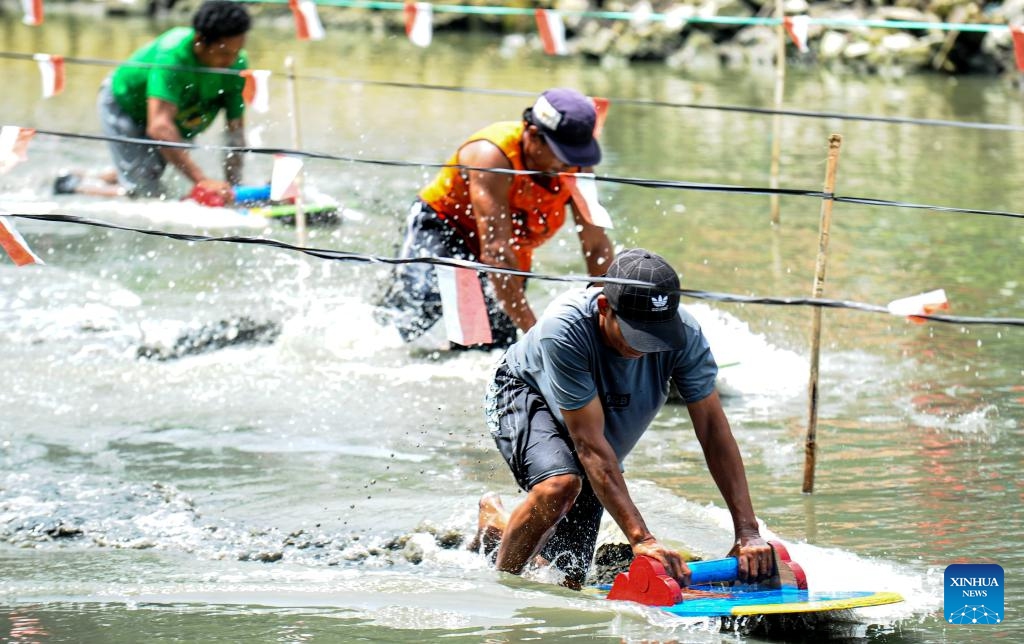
x=777 y=602
x=714 y=591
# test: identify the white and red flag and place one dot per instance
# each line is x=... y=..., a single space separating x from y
x=1017 y=32
x=15 y=245
x=419 y=23
x=33 y=12
x=601 y=108
x=462 y=300
x=307 y=20
x=584 y=198
x=51 y=69
x=14 y=146
x=796 y=27
x=256 y=92
x=283 y=176
x=552 y=32
x=923 y=304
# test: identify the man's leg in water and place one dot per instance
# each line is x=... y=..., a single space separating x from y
x=533 y=521
x=410 y=301
x=490 y=525
x=540 y=455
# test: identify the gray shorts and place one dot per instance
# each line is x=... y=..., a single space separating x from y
x=139 y=167
x=411 y=301
x=536 y=447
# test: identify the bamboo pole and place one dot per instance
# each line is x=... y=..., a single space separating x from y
x=810 y=444
x=293 y=104
x=780 y=87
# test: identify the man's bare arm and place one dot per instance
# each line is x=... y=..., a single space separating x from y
x=233 y=161
x=726 y=466
x=586 y=428
x=160 y=127
x=489 y=197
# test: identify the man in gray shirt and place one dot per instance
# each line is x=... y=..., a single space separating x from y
x=569 y=401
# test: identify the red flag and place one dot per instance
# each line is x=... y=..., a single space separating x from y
x=601 y=107
x=14 y=145
x=419 y=22
x=462 y=299
x=15 y=245
x=796 y=27
x=584 y=199
x=256 y=93
x=1018 y=45
x=552 y=32
x=33 y=12
x=307 y=20
x=51 y=68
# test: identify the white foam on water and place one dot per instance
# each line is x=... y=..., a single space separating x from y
x=269 y=443
x=344 y=330
x=126 y=210
x=749 y=364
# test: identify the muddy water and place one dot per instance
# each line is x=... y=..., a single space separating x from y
x=269 y=491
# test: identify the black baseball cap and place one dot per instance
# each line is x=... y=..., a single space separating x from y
x=648 y=316
x=566 y=120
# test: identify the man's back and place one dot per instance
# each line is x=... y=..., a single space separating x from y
x=564 y=358
x=197 y=95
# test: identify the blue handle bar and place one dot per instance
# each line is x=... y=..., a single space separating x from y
x=713 y=571
x=248 y=194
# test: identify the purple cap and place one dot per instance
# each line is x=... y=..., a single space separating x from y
x=566 y=119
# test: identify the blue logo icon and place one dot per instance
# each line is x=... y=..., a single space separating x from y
x=974 y=594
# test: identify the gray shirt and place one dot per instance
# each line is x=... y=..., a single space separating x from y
x=564 y=358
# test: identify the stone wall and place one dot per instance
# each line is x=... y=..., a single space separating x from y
x=679 y=43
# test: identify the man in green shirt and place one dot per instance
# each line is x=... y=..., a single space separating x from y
x=171 y=90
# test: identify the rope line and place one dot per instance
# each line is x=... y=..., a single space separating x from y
x=337 y=255
x=654 y=16
x=739 y=109
x=632 y=181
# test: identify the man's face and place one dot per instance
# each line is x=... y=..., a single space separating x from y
x=612 y=332
x=541 y=157
x=220 y=53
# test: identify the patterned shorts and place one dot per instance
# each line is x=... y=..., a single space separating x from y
x=536 y=447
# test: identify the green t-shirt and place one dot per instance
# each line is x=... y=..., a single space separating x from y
x=199 y=95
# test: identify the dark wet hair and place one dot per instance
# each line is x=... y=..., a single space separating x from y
x=219 y=19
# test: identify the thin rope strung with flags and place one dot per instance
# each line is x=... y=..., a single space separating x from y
x=638 y=102
x=633 y=181
x=348 y=256
x=654 y=16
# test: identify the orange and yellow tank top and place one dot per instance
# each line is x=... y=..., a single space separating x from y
x=538 y=210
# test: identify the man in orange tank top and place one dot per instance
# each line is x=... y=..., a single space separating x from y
x=497 y=214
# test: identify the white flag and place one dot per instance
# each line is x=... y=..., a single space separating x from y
x=584 y=192
x=33 y=12
x=283 y=176
x=14 y=146
x=796 y=27
x=256 y=92
x=923 y=304
x=307 y=20
x=552 y=32
x=462 y=300
x=419 y=23
x=51 y=68
x=15 y=245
